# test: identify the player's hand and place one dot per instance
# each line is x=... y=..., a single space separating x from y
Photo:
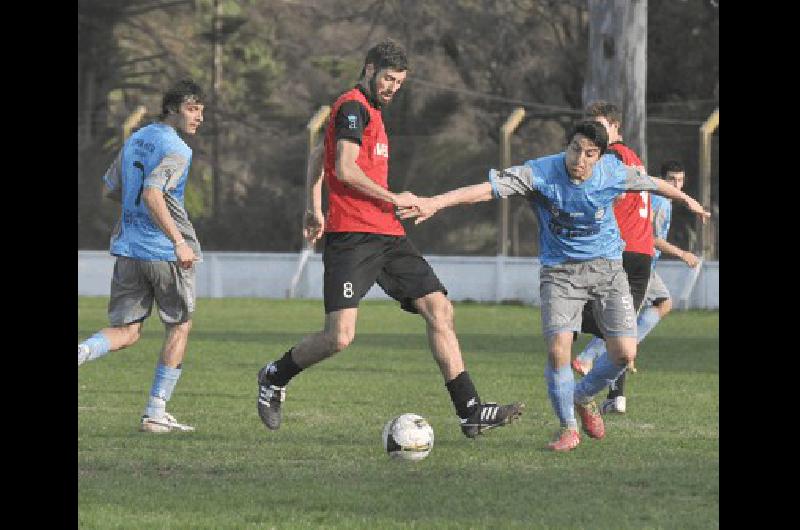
x=690 y=259
x=186 y=256
x=424 y=210
x=405 y=200
x=313 y=226
x=696 y=208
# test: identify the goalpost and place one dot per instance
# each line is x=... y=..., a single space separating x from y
x=704 y=230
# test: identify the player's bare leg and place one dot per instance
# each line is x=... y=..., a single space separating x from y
x=107 y=340
x=476 y=417
x=437 y=311
x=338 y=333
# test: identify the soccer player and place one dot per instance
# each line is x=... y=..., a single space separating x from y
x=657 y=300
x=632 y=212
x=365 y=243
x=581 y=260
x=155 y=247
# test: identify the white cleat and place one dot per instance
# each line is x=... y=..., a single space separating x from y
x=83 y=353
x=613 y=406
x=166 y=423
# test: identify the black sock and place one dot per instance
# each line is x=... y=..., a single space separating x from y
x=463 y=394
x=282 y=370
x=618 y=388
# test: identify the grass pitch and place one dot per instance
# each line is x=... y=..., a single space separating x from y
x=658 y=466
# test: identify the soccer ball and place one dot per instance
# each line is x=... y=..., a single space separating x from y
x=408 y=437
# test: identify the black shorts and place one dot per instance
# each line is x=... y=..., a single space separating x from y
x=354 y=261
x=637 y=268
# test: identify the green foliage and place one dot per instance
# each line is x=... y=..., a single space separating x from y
x=325 y=467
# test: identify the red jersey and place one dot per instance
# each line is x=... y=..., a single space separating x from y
x=350 y=210
x=632 y=209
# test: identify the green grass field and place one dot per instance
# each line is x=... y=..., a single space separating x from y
x=657 y=467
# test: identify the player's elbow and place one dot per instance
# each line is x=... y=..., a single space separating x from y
x=149 y=194
x=344 y=174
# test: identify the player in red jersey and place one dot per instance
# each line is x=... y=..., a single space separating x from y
x=633 y=213
x=365 y=243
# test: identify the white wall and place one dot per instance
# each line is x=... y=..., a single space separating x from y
x=269 y=275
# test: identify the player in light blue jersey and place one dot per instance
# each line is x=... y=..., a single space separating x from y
x=657 y=301
x=155 y=246
x=572 y=194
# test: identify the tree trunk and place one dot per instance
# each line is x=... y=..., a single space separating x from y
x=617 y=68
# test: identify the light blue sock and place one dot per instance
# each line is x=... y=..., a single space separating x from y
x=164 y=383
x=560 y=388
x=593 y=349
x=647 y=320
x=603 y=373
x=98 y=346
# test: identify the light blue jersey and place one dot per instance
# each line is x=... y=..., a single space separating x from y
x=153 y=157
x=662 y=216
x=576 y=219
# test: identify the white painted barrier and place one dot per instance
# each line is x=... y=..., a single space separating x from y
x=479 y=278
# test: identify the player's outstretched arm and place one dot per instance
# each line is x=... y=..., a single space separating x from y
x=671 y=192
x=426 y=207
x=668 y=248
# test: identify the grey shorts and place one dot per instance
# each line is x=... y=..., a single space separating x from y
x=656 y=290
x=566 y=288
x=136 y=283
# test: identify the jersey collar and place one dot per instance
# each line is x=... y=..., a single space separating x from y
x=372 y=101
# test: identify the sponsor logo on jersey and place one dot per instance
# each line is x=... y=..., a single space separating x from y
x=599 y=213
x=382 y=150
x=352 y=121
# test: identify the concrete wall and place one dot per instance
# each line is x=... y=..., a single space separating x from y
x=488 y=279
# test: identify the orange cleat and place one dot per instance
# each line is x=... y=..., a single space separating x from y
x=591 y=420
x=565 y=440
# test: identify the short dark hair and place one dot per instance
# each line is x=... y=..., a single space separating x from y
x=183 y=90
x=386 y=54
x=604 y=109
x=671 y=165
x=593 y=130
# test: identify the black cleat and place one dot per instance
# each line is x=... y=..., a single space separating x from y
x=270 y=398
x=490 y=415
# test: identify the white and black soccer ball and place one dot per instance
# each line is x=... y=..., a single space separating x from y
x=408 y=437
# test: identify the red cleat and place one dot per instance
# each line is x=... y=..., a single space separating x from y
x=565 y=440
x=581 y=368
x=591 y=420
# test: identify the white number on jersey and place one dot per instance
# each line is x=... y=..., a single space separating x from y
x=646 y=203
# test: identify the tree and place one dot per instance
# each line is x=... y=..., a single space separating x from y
x=617 y=67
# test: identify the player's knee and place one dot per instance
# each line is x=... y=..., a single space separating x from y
x=621 y=350
x=441 y=314
x=340 y=340
x=438 y=311
x=558 y=354
x=131 y=334
x=181 y=329
x=627 y=356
